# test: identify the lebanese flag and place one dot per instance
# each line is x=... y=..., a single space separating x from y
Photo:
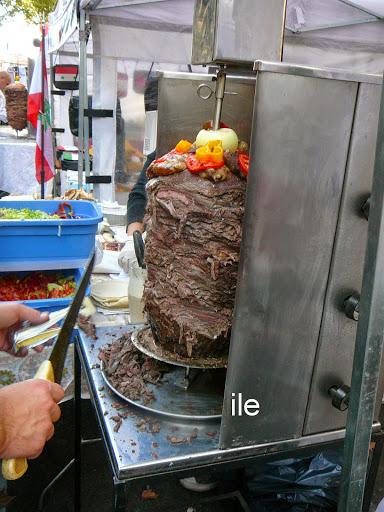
x=36 y=99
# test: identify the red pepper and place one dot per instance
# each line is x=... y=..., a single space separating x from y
x=195 y=166
x=244 y=163
x=33 y=286
x=62 y=212
x=209 y=125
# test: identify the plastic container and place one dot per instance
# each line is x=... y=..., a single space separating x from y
x=48 y=244
x=137 y=277
x=52 y=304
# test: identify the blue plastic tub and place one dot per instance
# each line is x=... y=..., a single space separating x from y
x=48 y=244
x=52 y=304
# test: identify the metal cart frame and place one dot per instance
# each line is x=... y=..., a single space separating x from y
x=184 y=465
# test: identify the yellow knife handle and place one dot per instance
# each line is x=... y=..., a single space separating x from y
x=13 y=469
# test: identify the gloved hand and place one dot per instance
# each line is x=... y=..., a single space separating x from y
x=127 y=255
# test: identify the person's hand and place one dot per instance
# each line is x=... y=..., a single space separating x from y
x=135 y=226
x=127 y=255
x=11 y=317
x=27 y=413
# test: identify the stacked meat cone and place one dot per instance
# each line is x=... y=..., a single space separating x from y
x=16 y=96
x=192 y=255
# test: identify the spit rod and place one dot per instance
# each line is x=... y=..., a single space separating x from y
x=219 y=94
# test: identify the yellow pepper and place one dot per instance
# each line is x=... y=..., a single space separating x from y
x=183 y=146
x=211 y=152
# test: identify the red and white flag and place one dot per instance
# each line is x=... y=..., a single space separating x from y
x=36 y=99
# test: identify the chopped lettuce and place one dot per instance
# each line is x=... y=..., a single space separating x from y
x=54 y=286
x=24 y=214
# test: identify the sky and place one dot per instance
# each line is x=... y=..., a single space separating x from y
x=16 y=37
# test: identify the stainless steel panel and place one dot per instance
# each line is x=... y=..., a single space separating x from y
x=182 y=112
x=337 y=337
x=237 y=30
x=300 y=141
x=204 y=31
x=312 y=72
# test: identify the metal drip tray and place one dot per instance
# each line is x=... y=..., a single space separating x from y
x=145 y=342
x=194 y=396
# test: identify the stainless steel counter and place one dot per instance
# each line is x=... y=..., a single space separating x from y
x=131 y=450
x=135 y=453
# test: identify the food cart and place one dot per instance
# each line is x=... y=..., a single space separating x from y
x=313 y=135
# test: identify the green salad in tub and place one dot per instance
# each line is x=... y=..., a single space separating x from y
x=24 y=214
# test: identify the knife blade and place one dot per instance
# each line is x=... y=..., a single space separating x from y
x=59 y=351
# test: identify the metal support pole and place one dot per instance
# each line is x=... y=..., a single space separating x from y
x=56 y=189
x=82 y=98
x=369 y=344
x=88 y=119
x=78 y=428
x=42 y=113
x=40 y=506
x=120 y=492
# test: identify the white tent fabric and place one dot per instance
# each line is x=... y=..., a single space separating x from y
x=305 y=15
x=104 y=129
x=62 y=24
x=130 y=29
x=375 y=7
x=332 y=33
x=111 y=40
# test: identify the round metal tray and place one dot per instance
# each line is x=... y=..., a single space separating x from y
x=145 y=342
x=203 y=400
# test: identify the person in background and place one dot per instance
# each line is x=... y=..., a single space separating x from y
x=137 y=200
x=5 y=79
x=28 y=409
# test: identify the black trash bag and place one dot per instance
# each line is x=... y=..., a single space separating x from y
x=295 y=485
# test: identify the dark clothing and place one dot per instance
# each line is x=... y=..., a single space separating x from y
x=137 y=199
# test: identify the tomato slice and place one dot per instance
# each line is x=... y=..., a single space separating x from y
x=196 y=166
x=244 y=163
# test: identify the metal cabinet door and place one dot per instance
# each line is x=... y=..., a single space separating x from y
x=334 y=358
x=182 y=112
x=300 y=139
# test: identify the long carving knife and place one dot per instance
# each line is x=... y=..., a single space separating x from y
x=52 y=369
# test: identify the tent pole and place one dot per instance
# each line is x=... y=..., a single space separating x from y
x=88 y=119
x=369 y=345
x=82 y=77
x=42 y=121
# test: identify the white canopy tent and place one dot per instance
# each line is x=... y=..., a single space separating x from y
x=346 y=34
x=154 y=32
